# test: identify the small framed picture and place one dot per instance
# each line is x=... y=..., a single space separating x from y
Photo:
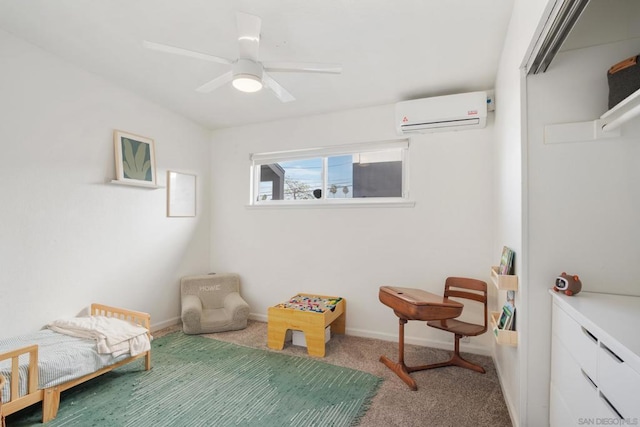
x=135 y=158
x=181 y=194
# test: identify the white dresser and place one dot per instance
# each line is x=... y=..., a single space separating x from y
x=595 y=360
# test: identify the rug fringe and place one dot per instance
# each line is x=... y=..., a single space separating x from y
x=366 y=404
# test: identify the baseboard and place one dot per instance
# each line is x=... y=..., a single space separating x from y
x=165 y=324
x=364 y=333
x=425 y=342
x=507 y=397
x=259 y=317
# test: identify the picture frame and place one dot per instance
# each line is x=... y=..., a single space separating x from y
x=135 y=159
x=181 y=194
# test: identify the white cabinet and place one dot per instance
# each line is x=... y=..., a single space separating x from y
x=621 y=381
x=595 y=360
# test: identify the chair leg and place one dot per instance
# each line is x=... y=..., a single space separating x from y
x=455 y=360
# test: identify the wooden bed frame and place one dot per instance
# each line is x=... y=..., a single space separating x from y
x=50 y=397
x=2 y=381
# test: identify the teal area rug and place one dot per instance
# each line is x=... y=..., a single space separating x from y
x=198 y=381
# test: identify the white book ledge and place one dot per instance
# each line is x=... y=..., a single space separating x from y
x=134 y=184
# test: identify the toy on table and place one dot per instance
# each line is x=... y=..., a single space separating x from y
x=568 y=284
x=311 y=303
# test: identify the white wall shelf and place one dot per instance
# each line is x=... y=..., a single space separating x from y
x=607 y=126
x=133 y=184
x=504 y=282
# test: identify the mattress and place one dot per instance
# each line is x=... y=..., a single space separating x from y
x=61 y=358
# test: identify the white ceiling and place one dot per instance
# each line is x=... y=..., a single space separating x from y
x=605 y=22
x=389 y=50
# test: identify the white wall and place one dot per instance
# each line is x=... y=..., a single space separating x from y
x=510 y=166
x=508 y=204
x=351 y=252
x=66 y=237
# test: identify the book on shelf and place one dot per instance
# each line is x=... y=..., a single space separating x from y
x=507 y=319
x=506 y=316
x=512 y=323
x=506 y=261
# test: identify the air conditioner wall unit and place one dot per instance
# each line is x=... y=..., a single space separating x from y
x=442 y=113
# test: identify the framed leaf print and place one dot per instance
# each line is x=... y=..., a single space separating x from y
x=135 y=159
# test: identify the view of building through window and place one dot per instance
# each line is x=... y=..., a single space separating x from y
x=344 y=176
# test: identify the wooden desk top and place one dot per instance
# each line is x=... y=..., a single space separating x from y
x=416 y=304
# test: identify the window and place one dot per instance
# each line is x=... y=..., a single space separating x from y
x=341 y=174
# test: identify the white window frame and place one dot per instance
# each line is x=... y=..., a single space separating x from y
x=259 y=159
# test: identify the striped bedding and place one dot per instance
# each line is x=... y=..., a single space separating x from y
x=61 y=358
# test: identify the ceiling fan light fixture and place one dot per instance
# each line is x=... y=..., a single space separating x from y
x=247 y=83
x=247 y=75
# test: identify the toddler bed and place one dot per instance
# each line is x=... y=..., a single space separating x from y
x=68 y=353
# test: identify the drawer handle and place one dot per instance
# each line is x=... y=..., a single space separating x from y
x=611 y=353
x=613 y=408
x=589 y=334
x=584 y=374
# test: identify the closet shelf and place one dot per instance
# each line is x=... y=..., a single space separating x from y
x=626 y=110
x=607 y=126
x=504 y=282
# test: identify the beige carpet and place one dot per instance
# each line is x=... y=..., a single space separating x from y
x=449 y=396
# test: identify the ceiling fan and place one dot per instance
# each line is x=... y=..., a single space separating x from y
x=247 y=74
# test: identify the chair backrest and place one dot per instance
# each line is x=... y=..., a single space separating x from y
x=465 y=288
x=210 y=288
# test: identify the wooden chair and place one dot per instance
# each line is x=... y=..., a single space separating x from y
x=470 y=289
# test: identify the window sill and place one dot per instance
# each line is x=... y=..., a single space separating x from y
x=331 y=204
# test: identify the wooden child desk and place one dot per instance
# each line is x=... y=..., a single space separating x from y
x=414 y=304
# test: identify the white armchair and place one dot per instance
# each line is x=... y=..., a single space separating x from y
x=212 y=303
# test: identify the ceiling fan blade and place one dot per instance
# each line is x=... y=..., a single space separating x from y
x=184 y=52
x=248 y=35
x=216 y=83
x=282 y=94
x=303 y=67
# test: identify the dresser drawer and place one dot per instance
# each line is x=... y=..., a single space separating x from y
x=618 y=382
x=572 y=384
x=580 y=343
x=559 y=413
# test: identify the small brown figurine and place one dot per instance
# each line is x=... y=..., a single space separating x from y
x=570 y=285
